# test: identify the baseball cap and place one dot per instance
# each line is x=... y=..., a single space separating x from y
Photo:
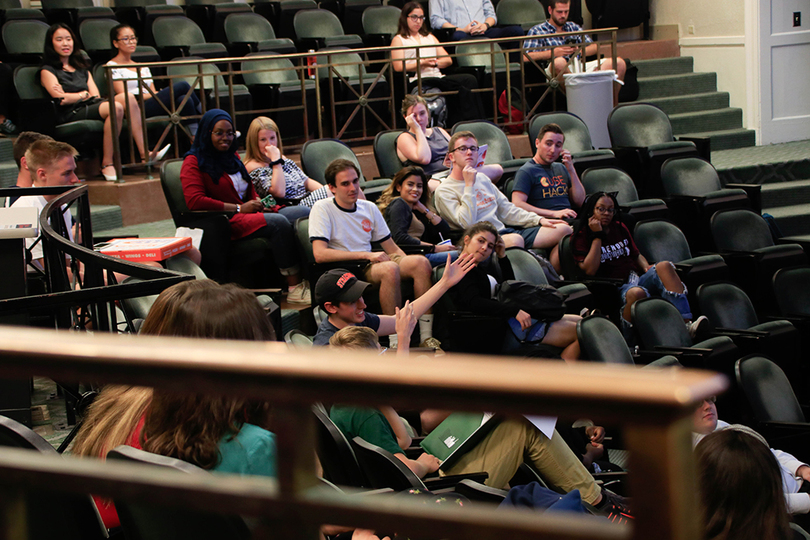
x=339 y=285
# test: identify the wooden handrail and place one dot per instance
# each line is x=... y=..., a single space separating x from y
x=654 y=408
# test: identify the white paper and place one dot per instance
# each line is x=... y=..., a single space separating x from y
x=544 y=423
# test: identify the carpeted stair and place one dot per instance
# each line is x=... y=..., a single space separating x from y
x=692 y=101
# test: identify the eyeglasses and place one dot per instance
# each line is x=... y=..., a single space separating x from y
x=220 y=133
x=463 y=149
x=607 y=211
x=128 y=39
x=416 y=17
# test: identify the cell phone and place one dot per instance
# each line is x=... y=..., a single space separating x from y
x=571 y=40
x=473 y=23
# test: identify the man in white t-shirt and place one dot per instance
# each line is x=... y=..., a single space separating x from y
x=342 y=229
x=50 y=164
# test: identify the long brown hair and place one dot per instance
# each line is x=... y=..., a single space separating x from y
x=111 y=419
x=740 y=488
x=190 y=426
x=393 y=190
x=402 y=29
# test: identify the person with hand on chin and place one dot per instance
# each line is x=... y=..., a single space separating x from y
x=543 y=185
x=412 y=223
x=215 y=179
x=427 y=146
x=466 y=197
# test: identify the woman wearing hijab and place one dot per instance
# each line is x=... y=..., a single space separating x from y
x=215 y=179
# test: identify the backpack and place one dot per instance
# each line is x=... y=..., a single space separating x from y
x=514 y=114
x=542 y=302
x=629 y=91
x=437 y=105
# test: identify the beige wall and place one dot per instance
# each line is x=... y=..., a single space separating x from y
x=709 y=17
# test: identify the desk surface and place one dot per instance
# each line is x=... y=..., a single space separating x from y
x=19 y=222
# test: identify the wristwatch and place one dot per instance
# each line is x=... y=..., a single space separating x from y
x=279 y=161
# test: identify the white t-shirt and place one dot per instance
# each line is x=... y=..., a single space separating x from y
x=347 y=230
x=39 y=203
x=130 y=76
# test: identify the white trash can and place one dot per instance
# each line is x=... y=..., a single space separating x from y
x=590 y=96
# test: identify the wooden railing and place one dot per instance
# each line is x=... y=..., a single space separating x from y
x=654 y=409
x=379 y=74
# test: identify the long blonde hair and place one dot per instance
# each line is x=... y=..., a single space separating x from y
x=111 y=419
x=252 y=151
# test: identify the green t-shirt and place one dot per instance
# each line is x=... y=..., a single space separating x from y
x=369 y=424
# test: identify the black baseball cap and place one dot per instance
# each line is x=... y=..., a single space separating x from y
x=339 y=285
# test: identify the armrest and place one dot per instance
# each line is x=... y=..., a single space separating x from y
x=738 y=332
x=479 y=492
x=754 y=192
x=682 y=351
x=444 y=34
x=703 y=145
x=450 y=481
x=414 y=250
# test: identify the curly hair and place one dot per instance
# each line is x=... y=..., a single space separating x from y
x=393 y=190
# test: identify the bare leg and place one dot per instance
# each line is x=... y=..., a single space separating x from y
x=550 y=236
x=419 y=270
x=513 y=240
x=554 y=258
x=135 y=125
x=669 y=277
x=107 y=157
x=633 y=295
x=387 y=275
x=563 y=333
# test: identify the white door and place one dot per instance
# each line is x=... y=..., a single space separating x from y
x=785 y=70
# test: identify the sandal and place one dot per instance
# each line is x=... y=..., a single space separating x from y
x=109 y=177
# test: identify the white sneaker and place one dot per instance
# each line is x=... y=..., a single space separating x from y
x=300 y=294
x=695 y=326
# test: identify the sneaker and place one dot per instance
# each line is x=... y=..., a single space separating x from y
x=614 y=507
x=7 y=127
x=300 y=294
x=431 y=343
x=698 y=327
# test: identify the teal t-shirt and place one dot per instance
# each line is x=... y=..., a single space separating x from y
x=545 y=187
x=369 y=424
x=251 y=452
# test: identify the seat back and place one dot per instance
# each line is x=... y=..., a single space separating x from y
x=144 y=521
x=601 y=341
x=297 y=339
x=768 y=390
x=340 y=465
x=381 y=21
x=610 y=179
x=173 y=189
x=51 y=514
x=689 y=176
x=661 y=241
x=740 y=230
x=498 y=149
x=525 y=13
x=95 y=34
x=526 y=267
x=138 y=3
x=480 y=55
x=577 y=135
x=190 y=73
x=383 y=469
x=10 y=4
x=65 y=4
x=658 y=323
x=302 y=233
x=316 y=155
x=247 y=28
x=385 y=152
x=176 y=31
x=26 y=82
x=348 y=64
x=274 y=71
x=638 y=124
x=316 y=23
x=568 y=266
x=792 y=288
x=24 y=36
x=726 y=305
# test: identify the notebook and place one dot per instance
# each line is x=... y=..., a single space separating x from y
x=459 y=433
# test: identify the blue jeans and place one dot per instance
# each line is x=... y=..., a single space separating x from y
x=294 y=212
x=439 y=259
x=653 y=286
x=192 y=106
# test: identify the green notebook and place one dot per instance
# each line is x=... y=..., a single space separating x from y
x=459 y=433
